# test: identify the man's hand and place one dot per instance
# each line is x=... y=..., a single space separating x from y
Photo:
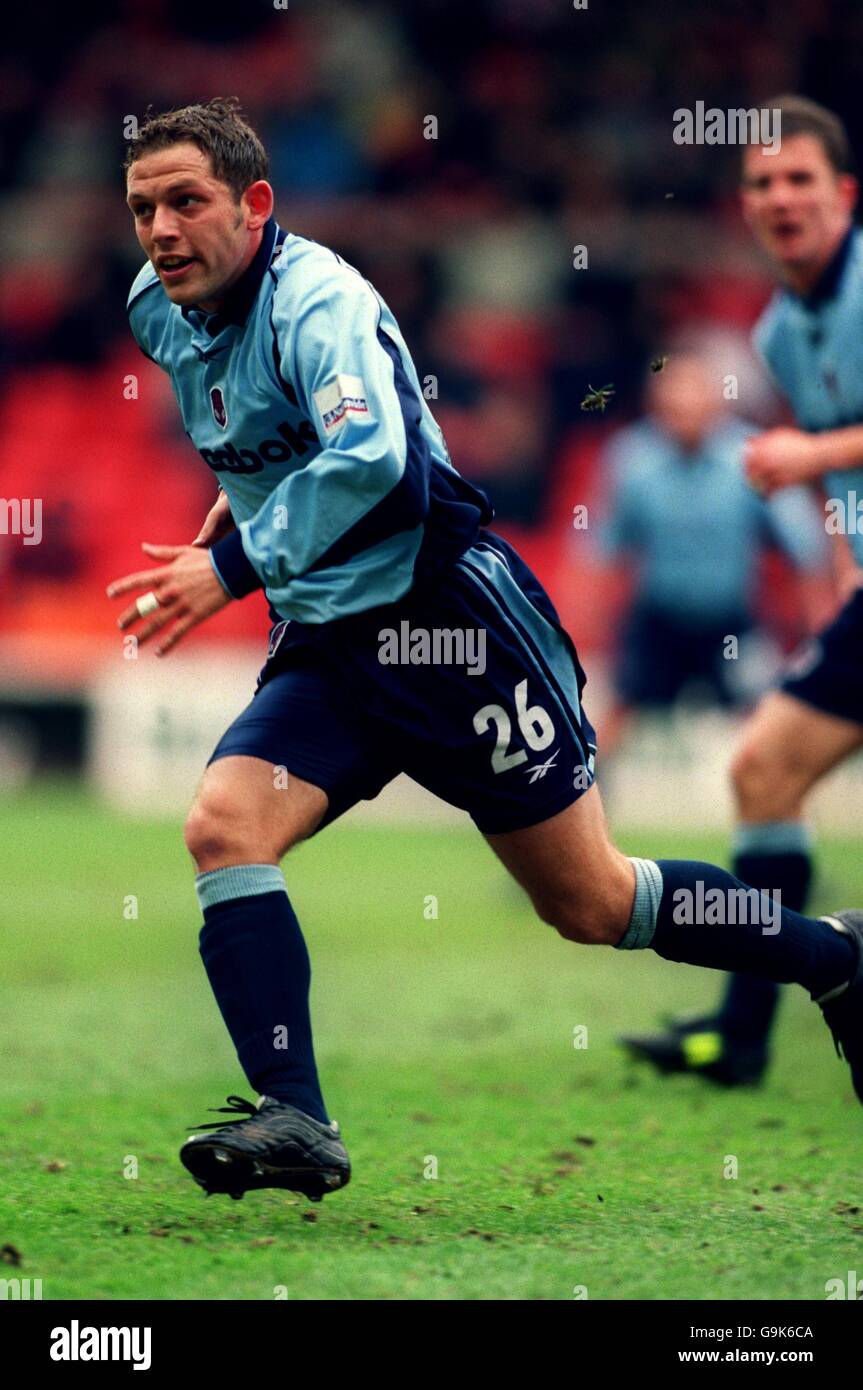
x=217 y=523
x=847 y=574
x=781 y=458
x=187 y=588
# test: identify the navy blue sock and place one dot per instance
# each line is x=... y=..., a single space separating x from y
x=256 y=959
x=776 y=857
x=697 y=913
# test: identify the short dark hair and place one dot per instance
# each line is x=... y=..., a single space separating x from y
x=802 y=116
x=217 y=127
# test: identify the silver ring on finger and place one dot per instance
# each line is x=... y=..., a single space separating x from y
x=147 y=604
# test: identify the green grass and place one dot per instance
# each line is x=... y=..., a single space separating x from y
x=450 y=1038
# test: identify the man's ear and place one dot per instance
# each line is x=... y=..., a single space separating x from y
x=850 y=191
x=258 y=202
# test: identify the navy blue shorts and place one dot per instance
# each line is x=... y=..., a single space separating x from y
x=471 y=687
x=827 y=672
x=661 y=655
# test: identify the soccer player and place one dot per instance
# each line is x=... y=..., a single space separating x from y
x=799 y=202
x=407 y=637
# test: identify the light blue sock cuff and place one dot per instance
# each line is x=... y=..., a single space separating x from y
x=648 y=891
x=238 y=881
x=772 y=837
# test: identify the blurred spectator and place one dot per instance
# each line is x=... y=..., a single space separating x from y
x=682 y=512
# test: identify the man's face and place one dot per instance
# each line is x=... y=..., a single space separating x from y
x=197 y=237
x=684 y=402
x=796 y=203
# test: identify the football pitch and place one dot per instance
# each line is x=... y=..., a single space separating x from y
x=495 y=1156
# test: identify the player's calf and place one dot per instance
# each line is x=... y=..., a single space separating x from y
x=252 y=947
x=592 y=912
x=576 y=879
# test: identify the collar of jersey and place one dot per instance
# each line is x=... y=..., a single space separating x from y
x=240 y=298
x=827 y=284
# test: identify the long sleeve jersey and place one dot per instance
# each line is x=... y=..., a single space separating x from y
x=813 y=347
x=300 y=394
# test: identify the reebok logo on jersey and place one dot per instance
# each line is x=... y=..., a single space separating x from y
x=230 y=459
x=220 y=412
x=339 y=399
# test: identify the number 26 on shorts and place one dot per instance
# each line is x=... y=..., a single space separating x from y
x=534 y=725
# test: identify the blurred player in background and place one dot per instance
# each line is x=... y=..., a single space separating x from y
x=682 y=510
x=297 y=388
x=800 y=204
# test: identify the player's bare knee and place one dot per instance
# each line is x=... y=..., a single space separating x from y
x=763 y=785
x=216 y=834
x=206 y=836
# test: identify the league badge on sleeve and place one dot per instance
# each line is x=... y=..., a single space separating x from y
x=340 y=399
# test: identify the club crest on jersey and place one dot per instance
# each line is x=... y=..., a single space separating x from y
x=217 y=401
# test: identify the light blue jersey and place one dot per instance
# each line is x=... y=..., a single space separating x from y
x=693 y=523
x=301 y=396
x=813 y=346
